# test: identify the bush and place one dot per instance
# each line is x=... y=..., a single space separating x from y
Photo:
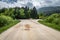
x=49 y=19
x=52 y=21
x=52 y=18
x=56 y=21
x=4 y=20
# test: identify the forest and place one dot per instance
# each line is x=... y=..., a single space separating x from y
x=20 y=13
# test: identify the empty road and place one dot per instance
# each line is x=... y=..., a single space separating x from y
x=30 y=30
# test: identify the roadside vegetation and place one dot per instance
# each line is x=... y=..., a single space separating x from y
x=6 y=22
x=10 y=16
x=52 y=21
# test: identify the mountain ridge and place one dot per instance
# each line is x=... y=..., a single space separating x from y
x=49 y=9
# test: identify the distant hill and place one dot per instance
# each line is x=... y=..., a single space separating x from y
x=49 y=10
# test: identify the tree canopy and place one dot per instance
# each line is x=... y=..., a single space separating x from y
x=20 y=13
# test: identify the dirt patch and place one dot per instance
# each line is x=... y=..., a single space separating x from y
x=27 y=27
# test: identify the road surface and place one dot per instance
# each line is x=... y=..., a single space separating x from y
x=34 y=31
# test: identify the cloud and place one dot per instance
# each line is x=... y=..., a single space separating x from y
x=51 y=2
x=30 y=3
x=3 y=4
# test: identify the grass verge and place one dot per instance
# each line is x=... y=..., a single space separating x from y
x=54 y=26
x=8 y=26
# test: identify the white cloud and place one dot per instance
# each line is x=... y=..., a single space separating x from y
x=3 y=4
x=36 y=3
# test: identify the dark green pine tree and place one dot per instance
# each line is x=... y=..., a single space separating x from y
x=17 y=13
x=2 y=10
x=34 y=13
x=26 y=12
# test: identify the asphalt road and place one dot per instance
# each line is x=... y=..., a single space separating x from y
x=30 y=30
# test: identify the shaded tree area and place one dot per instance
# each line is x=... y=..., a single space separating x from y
x=20 y=13
x=34 y=13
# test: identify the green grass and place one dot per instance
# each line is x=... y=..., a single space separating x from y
x=54 y=26
x=2 y=29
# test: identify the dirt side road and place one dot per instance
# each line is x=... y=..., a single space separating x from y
x=30 y=30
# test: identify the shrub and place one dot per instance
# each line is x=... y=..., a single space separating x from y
x=52 y=21
x=52 y=18
x=4 y=20
x=56 y=21
x=49 y=19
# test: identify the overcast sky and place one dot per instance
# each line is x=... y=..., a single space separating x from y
x=30 y=3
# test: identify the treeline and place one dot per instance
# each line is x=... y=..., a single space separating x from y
x=20 y=13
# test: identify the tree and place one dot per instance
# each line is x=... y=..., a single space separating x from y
x=29 y=12
x=22 y=14
x=2 y=10
x=34 y=13
x=16 y=13
x=26 y=12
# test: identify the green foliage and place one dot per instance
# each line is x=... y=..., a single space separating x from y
x=54 y=26
x=57 y=21
x=54 y=18
x=26 y=11
x=20 y=13
x=8 y=26
x=49 y=19
x=2 y=10
x=4 y=20
x=34 y=13
x=41 y=16
x=52 y=21
x=7 y=17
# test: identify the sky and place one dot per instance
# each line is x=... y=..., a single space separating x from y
x=29 y=3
